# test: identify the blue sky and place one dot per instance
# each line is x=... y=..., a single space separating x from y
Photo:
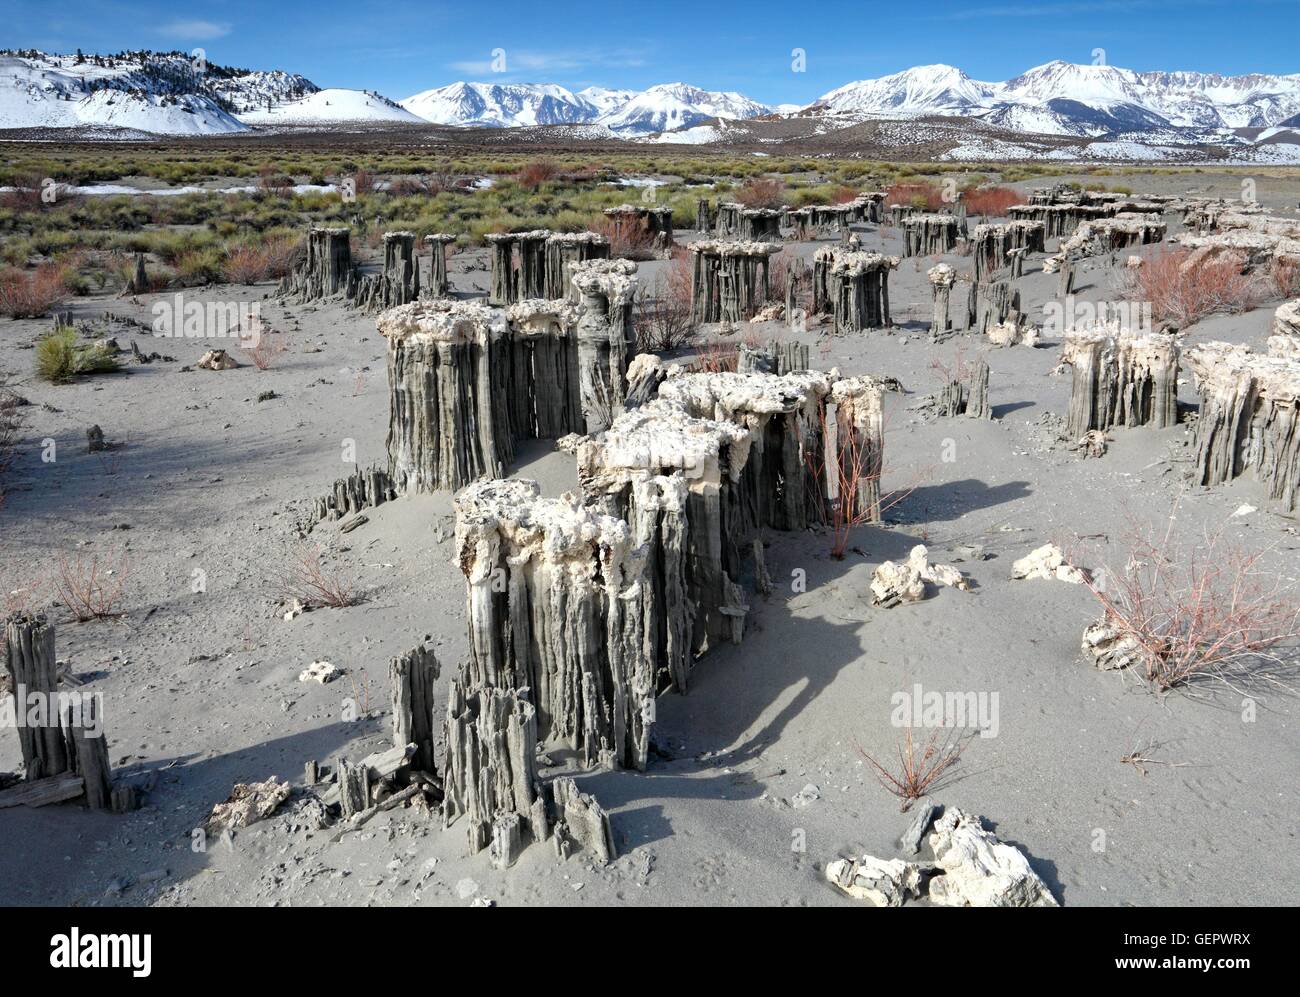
x=400 y=48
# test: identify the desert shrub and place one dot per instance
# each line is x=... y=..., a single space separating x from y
x=282 y=254
x=662 y=319
x=74 y=281
x=25 y=194
x=714 y=356
x=532 y=175
x=60 y=357
x=921 y=767
x=271 y=183
x=1200 y=611
x=170 y=246
x=1182 y=291
x=365 y=181
x=10 y=422
x=268 y=259
x=308 y=580
x=199 y=266
x=990 y=201
x=802 y=197
x=266 y=349
x=843 y=195
x=919 y=194
x=628 y=238
x=1285 y=276
x=244 y=265
x=91 y=585
x=30 y=293
x=761 y=192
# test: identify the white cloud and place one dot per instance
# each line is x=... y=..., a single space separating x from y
x=199 y=31
x=521 y=60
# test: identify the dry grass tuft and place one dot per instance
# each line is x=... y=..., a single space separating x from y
x=761 y=192
x=662 y=317
x=629 y=239
x=309 y=580
x=1181 y=291
x=267 y=348
x=533 y=174
x=31 y=293
x=91 y=585
x=1202 y=611
x=925 y=196
x=1285 y=276
x=990 y=201
x=920 y=767
x=714 y=356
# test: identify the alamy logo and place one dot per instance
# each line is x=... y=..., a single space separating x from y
x=932 y=708
x=93 y=951
x=178 y=318
x=25 y=708
x=1061 y=316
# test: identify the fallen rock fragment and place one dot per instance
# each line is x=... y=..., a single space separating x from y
x=882 y=882
x=217 y=360
x=978 y=870
x=318 y=671
x=1048 y=561
x=248 y=803
x=1109 y=647
x=1012 y=333
x=811 y=793
x=769 y=313
x=1091 y=444
x=584 y=820
x=915 y=834
x=896 y=582
x=1285 y=339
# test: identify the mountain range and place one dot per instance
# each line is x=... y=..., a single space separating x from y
x=167 y=93
x=1062 y=98
x=661 y=108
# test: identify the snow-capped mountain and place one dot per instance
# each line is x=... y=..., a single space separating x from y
x=134 y=94
x=160 y=93
x=170 y=93
x=511 y=105
x=676 y=105
x=500 y=105
x=332 y=106
x=258 y=90
x=605 y=100
x=1068 y=99
x=920 y=90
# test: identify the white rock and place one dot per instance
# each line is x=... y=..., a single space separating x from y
x=883 y=882
x=318 y=671
x=1048 y=561
x=1109 y=647
x=895 y=582
x=809 y=794
x=217 y=360
x=979 y=870
x=248 y=803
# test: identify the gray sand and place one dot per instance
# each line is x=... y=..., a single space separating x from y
x=202 y=688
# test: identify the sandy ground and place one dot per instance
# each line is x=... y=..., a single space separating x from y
x=201 y=689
